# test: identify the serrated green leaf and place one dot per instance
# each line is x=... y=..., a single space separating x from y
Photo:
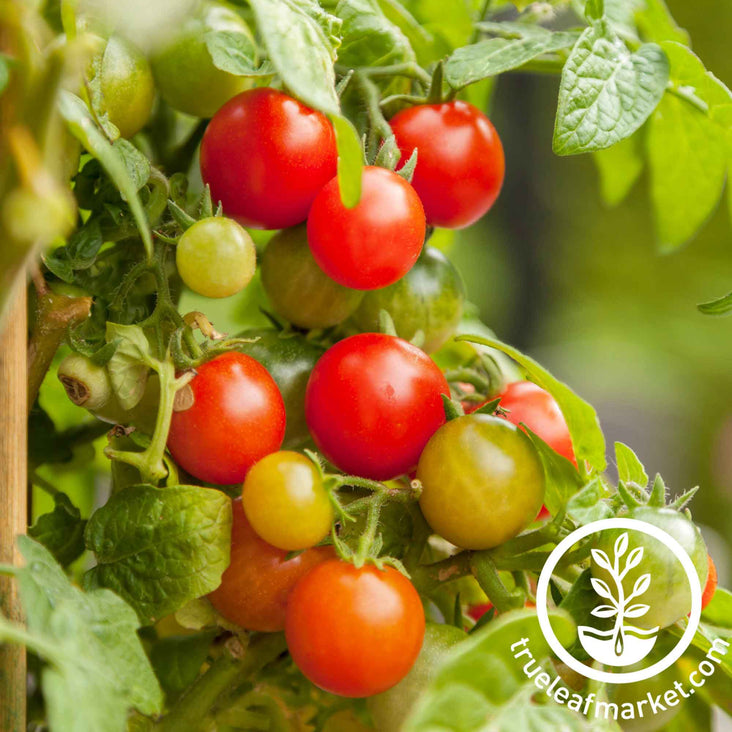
x=606 y=92
x=369 y=38
x=494 y=56
x=420 y=39
x=61 y=531
x=561 y=477
x=656 y=23
x=83 y=127
x=480 y=675
x=158 y=548
x=588 y=505
x=137 y=164
x=299 y=50
x=177 y=660
x=91 y=642
x=687 y=157
x=350 y=160
x=619 y=167
x=235 y=53
x=584 y=427
x=630 y=468
x=130 y=364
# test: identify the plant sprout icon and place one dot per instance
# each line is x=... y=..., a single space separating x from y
x=623 y=644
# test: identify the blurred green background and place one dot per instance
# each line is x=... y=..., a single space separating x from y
x=581 y=288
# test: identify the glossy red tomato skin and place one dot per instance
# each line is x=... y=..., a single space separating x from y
x=266 y=156
x=354 y=632
x=237 y=418
x=711 y=586
x=460 y=160
x=372 y=403
x=256 y=586
x=527 y=402
x=373 y=244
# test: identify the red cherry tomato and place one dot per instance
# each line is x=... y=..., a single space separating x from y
x=372 y=403
x=526 y=402
x=236 y=418
x=266 y=156
x=354 y=632
x=257 y=583
x=711 y=586
x=460 y=163
x=373 y=244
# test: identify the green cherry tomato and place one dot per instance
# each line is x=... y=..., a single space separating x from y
x=216 y=257
x=391 y=708
x=86 y=384
x=185 y=72
x=429 y=298
x=299 y=290
x=285 y=501
x=289 y=358
x=668 y=596
x=482 y=481
x=127 y=86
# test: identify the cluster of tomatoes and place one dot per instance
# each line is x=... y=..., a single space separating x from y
x=373 y=403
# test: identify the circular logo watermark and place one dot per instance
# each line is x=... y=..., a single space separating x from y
x=624 y=644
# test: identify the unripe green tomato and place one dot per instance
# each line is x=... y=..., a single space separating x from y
x=285 y=501
x=298 y=289
x=289 y=358
x=127 y=86
x=482 y=481
x=391 y=708
x=86 y=384
x=185 y=72
x=668 y=596
x=429 y=298
x=216 y=257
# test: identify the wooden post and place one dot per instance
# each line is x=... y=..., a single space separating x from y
x=13 y=499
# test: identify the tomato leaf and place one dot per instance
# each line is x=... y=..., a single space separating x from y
x=137 y=164
x=91 y=644
x=619 y=167
x=584 y=427
x=561 y=477
x=350 y=160
x=235 y=53
x=689 y=146
x=299 y=49
x=656 y=23
x=630 y=468
x=83 y=127
x=479 y=678
x=129 y=365
x=61 y=531
x=488 y=58
x=719 y=307
x=589 y=504
x=160 y=547
x=177 y=660
x=606 y=92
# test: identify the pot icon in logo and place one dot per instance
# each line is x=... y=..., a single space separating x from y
x=624 y=643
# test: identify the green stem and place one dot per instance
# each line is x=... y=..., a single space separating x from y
x=43 y=484
x=225 y=673
x=379 y=128
x=485 y=571
x=410 y=70
x=367 y=538
x=150 y=462
x=481 y=17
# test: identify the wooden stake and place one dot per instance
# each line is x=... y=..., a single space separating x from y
x=13 y=500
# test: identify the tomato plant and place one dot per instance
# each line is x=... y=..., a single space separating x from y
x=266 y=156
x=234 y=403
x=255 y=589
x=460 y=163
x=372 y=402
x=374 y=243
x=335 y=613
x=232 y=416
